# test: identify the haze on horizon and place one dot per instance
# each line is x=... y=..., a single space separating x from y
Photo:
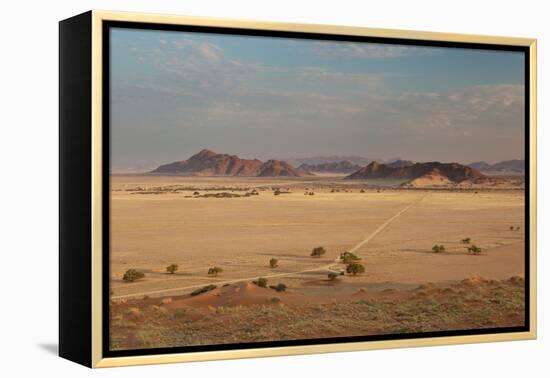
x=175 y=93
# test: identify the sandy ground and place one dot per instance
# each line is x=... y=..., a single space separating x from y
x=244 y=312
x=151 y=231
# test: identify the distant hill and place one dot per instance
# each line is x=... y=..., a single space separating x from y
x=315 y=160
x=399 y=163
x=505 y=167
x=344 y=166
x=421 y=174
x=278 y=168
x=209 y=163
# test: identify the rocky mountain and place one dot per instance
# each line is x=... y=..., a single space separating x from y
x=424 y=173
x=399 y=163
x=209 y=163
x=316 y=160
x=506 y=166
x=277 y=168
x=344 y=166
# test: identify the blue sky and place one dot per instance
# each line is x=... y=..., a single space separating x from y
x=174 y=93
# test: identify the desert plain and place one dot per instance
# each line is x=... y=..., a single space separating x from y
x=240 y=223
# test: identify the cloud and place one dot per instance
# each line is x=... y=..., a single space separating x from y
x=348 y=50
x=195 y=89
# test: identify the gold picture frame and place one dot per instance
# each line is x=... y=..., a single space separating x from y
x=92 y=295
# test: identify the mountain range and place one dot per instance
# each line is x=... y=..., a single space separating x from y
x=421 y=174
x=209 y=163
x=344 y=166
x=315 y=160
x=506 y=166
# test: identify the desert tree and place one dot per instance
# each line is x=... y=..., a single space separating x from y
x=279 y=287
x=132 y=275
x=318 y=252
x=203 y=289
x=273 y=262
x=214 y=271
x=332 y=276
x=348 y=257
x=474 y=249
x=261 y=282
x=438 y=248
x=355 y=268
x=172 y=268
x=466 y=241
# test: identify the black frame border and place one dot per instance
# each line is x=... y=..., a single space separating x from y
x=107 y=25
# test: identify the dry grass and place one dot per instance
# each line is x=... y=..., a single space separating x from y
x=472 y=304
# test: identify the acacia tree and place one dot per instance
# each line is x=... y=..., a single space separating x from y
x=262 y=282
x=273 y=262
x=318 y=252
x=332 y=276
x=466 y=241
x=438 y=248
x=172 y=268
x=474 y=249
x=214 y=271
x=348 y=257
x=132 y=275
x=355 y=268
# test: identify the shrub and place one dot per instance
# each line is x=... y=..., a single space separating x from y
x=332 y=276
x=355 y=268
x=132 y=275
x=511 y=228
x=278 y=287
x=362 y=190
x=318 y=251
x=438 y=248
x=214 y=271
x=262 y=282
x=273 y=263
x=348 y=257
x=172 y=268
x=203 y=290
x=196 y=193
x=474 y=249
x=466 y=241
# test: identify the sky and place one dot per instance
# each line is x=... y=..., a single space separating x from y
x=175 y=93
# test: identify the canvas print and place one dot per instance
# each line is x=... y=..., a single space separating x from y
x=278 y=189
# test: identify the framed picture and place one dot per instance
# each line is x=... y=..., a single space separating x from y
x=236 y=189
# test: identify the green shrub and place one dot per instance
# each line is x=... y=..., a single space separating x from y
x=214 y=271
x=355 y=268
x=474 y=249
x=132 y=275
x=278 y=287
x=318 y=252
x=203 y=290
x=172 y=268
x=273 y=263
x=348 y=257
x=262 y=282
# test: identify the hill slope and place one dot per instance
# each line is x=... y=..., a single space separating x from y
x=209 y=163
x=505 y=166
x=344 y=166
x=421 y=174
